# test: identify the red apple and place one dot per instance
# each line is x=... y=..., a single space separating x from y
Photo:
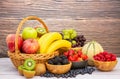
x=30 y=46
x=10 y=40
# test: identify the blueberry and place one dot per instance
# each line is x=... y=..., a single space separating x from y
x=90 y=70
x=82 y=72
x=86 y=70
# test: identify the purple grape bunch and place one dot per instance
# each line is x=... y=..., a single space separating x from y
x=80 y=41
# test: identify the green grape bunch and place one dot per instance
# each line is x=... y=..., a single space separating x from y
x=69 y=34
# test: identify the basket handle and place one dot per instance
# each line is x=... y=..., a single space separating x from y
x=20 y=26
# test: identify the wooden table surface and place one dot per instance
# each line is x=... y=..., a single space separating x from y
x=8 y=71
x=96 y=19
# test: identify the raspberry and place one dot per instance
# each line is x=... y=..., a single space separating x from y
x=105 y=53
x=97 y=58
x=108 y=56
x=113 y=55
x=108 y=60
x=113 y=58
x=103 y=59
x=101 y=56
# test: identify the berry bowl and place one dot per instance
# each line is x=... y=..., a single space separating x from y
x=105 y=61
x=79 y=64
x=58 y=69
x=105 y=65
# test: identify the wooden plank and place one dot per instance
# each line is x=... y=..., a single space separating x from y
x=63 y=9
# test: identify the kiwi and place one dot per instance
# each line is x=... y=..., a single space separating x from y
x=28 y=74
x=41 y=31
x=29 y=64
x=40 y=69
x=20 y=69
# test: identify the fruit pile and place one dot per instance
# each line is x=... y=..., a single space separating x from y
x=37 y=41
x=71 y=35
x=75 y=55
x=58 y=60
x=105 y=56
x=29 y=68
x=80 y=41
x=71 y=74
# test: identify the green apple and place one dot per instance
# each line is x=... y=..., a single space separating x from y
x=29 y=32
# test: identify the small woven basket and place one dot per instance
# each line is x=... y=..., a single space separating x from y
x=18 y=58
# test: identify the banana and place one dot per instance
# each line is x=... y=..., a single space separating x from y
x=42 y=38
x=46 y=40
x=58 y=44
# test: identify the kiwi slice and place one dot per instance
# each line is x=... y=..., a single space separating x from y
x=29 y=64
x=41 y=30
x=20 y=69
x=28 y=74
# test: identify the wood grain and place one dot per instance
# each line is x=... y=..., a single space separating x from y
x=96 y=19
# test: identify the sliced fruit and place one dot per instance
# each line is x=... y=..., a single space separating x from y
x=20 y=69
x=40 y=69
x=29 y=64
x=28 y=74
x=40 y=31
x=58 y=44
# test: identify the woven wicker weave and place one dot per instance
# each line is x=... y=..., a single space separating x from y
x=18 y=58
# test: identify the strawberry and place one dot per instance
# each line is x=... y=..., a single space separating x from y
x=79 y=53
x=75 y=56
x=79 y=59
x=71 y=58
x=84 y=57
x=66 y=54
x=71 y=52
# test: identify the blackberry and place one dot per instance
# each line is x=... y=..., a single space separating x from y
x=63 y=57
x=59 y=63
x=65 y=61
x=50 y=62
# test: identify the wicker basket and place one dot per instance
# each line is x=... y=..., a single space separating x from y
x=18 y=58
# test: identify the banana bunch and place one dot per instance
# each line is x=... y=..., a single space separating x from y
x=52 y=41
